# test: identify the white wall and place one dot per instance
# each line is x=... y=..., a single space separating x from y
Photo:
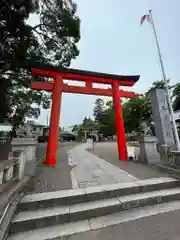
x=5 y=128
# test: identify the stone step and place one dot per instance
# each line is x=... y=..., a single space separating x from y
x=43 y=200
x=61 y=230
x=33 y=219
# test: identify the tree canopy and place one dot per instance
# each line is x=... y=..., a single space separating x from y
x=52 y=40
x=176 y=97
x=137 y=112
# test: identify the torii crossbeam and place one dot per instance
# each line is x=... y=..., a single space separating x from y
x=57 y=87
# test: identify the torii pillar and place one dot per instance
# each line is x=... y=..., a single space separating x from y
x=119 y=122
x=52 y=146
x=58 y=87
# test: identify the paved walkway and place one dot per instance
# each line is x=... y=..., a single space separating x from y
x=163 y=226
x=89 y=170
x=78 y=168
x=56 y=178
x=108 y=151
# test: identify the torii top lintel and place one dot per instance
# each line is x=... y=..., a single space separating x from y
x=82 y=75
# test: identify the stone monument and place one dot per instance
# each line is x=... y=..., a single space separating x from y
x=161 y=117
x=162 y=122
x=148 y=145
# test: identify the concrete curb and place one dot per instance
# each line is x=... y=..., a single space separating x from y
x=171 y=171
x=48 y=199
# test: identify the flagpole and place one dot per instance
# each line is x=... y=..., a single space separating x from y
x=166 y=84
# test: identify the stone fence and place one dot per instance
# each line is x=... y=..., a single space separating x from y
x=148 y=150
x=173 y=158
x=15 y=172
x=21 y=161
x=133 y=143
x=12 y=169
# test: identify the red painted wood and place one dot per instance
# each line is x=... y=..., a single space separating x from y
x=120 y=131
x=89 y=84
x=46 y=86
x=79 y=77
x=58 y=87
x=52 y=146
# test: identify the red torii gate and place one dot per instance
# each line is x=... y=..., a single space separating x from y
x=57 y=87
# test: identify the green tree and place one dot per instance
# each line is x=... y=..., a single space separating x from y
x=107 y=124
x=104 y=116
x=136 y=111
x=85 y=121
x=59 y=31
x=139 y=110
x=159 y=85
x=87 y=125
x=176 y=97
x=53 y=40
x=15 y=38
x=98 y=108
x=75 y=128
x=25 y=102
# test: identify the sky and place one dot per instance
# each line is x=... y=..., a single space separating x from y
x=112 y=41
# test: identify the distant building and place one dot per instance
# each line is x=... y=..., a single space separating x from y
x=31 y=128
x=5 y=127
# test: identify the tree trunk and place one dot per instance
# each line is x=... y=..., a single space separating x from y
x=13 y=131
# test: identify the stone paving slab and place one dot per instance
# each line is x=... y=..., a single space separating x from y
x=49 y=179
x=89 y=170
x=71 y=196
x=162 y=220
x=76 y=168
x=108 y=151
x=162 y=226
x=38 y=218
x=53 y=232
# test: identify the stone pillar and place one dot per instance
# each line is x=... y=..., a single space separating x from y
x=162 y=120
x=149 y=150
x=28 y=161
x=161 y=116
x=85 y=135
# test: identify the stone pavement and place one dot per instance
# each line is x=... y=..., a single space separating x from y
x=78 y=168
x=41 y=151
x=89 y=170
x=108 y=151
x=53 y=178
x=164 y=226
